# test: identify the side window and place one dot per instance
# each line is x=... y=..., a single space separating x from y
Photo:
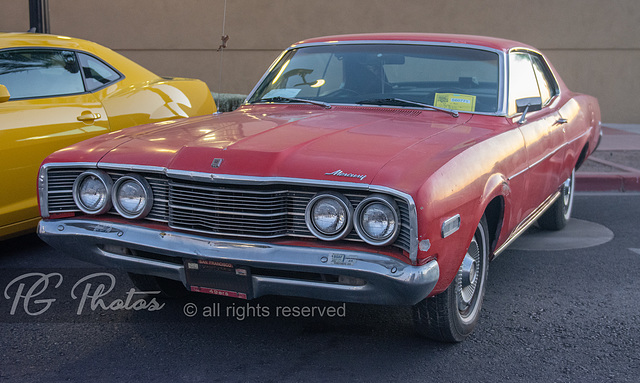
x=96 y=73
x=546 y=82
x=522 y=79
x=29 y=73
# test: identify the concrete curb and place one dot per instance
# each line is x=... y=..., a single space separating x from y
x=619 y=182
x=622 y=164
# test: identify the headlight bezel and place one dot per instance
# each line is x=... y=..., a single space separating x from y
x=368 y=203
x=107 y=183
x=343 y=202
x=147 y=194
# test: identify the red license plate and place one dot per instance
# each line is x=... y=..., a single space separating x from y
x=218 y=278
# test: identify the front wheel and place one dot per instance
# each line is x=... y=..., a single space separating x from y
x=452 y=315
x=557 y=216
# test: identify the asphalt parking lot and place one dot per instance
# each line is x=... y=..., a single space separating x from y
x=559 y=307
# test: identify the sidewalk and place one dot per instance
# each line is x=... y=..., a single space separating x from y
x=615 y=166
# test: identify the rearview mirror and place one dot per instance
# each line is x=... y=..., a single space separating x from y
x=391 y=59
x=4 y=93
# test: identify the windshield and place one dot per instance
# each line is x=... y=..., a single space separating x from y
x=454 y=78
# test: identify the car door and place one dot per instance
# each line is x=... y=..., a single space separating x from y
x=541 y=129
x=49 y=109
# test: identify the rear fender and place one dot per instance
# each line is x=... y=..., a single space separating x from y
x=164 y=99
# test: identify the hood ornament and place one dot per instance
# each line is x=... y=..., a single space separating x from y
x=216 y=163
x=340 y=173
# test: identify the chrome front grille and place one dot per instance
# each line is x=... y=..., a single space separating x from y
x=60 y=190
x=262 y=212
x=256 y=211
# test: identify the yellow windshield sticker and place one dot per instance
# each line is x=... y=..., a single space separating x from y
x=455 y=101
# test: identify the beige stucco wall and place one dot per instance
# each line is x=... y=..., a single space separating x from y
x=594 y=44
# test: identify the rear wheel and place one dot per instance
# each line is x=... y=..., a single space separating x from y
x=452 y=315
x=168 y=288
x=557 y=216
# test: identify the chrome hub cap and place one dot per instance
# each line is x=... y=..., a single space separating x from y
x=566 y=192
x=467 y=280
x=567 y=195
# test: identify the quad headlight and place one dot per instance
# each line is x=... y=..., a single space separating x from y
x=132 y=196
x=92 y=192
x=377 y=220
x=329 y=216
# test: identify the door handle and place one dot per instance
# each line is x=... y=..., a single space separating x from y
x=561 y=121
x=88 y=116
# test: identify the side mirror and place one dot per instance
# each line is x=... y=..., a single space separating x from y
x=4 y=93
x=533 y=104
x=525 y=105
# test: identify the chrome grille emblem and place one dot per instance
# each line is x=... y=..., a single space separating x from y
x=216 y=163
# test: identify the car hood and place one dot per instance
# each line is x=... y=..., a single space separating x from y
x=349 y=144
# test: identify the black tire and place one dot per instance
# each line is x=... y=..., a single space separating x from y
x=168 y=288
x=557 y=216
x=452 y=315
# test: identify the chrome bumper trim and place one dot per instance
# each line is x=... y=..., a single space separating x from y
x=388 y=280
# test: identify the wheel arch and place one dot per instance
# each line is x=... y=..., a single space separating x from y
x=493 y=203
x=582 y=156
x=494 y=213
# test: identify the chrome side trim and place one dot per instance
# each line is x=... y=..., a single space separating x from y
x=564 y=144
x=524 y=225
x=161 y=253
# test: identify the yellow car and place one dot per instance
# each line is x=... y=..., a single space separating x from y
x=56 y=91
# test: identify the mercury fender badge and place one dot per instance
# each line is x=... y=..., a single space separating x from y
x=216 y=163
x=340 y=173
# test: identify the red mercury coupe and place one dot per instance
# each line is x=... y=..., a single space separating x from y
x=375 y=168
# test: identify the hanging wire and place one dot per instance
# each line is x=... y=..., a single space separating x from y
x=224 y=38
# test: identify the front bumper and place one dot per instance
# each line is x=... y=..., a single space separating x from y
x=161 y=253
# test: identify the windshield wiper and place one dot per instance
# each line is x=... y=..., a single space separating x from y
x=399 y=102
x=293 y=99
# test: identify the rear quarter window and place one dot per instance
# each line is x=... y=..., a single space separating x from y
x=97 y=74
